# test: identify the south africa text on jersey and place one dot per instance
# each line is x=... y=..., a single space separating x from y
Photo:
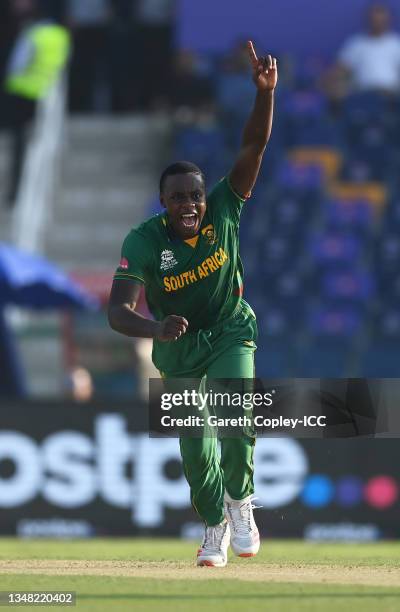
x=208 y=266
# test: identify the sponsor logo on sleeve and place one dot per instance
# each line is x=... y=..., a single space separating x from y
x=123 y=264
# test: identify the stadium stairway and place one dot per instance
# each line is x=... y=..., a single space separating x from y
x=110 y=173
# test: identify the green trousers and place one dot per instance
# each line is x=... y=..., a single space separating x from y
x=224 y=351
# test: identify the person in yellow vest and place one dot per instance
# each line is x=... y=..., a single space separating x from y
x=39 y=55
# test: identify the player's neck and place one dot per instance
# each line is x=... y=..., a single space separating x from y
x=172 y=234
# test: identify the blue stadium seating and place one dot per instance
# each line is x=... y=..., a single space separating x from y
x=205 y=147
x=381 y=360
x=323 y=357
x=334 y=248
x=317 y=266
x=344 y=216
x=351 y=286
x=275 y=360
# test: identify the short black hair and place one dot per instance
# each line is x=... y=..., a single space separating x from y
x=180 y=167
x=380 y=5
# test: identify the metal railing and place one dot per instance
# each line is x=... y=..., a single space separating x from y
x=41 y=171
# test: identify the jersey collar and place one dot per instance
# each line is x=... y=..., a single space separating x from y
x=172 y=236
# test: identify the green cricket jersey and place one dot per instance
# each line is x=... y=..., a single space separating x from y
x=199 y=278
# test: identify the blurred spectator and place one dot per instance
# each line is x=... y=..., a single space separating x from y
x=235 y=92
x=123 y=63
x=53 y=9
x=154 y=43
x=7 y=36
x=90 y=23
x=11 y=377
x=235 y=85
x=372 y=60
x=190 y=85
x=80 y=385
x=144 y=366
x=37 y=57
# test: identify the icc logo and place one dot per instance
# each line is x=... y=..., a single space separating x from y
x=168 y=260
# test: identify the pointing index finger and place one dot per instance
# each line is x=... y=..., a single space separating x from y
x=252 y=53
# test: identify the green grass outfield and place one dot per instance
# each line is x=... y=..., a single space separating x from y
x=139 y=574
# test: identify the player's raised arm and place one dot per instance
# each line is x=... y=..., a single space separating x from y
x=124 y=319
x=258 y=127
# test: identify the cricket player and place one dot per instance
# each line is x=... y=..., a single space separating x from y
x=188 y=260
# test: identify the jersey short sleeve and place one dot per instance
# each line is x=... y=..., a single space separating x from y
x=135 y=258
x=351 y=52
x=224 y=201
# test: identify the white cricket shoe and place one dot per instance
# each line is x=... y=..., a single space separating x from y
x=214 y=548
x=245 y=539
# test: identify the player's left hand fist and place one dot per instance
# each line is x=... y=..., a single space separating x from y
x=265 y=71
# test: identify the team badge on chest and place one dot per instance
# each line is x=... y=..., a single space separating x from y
x=168 y=260
x=209 y=234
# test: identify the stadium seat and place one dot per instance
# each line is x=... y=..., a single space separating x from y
x=367 y=120
x=356 y=216
x=205 y=147
x=392 y=215
x=296 y=177
x=381 y=359
x=387 y=258
x=350 y=286
x=362 y=108
x=276 y=339
x=327 y=158
x=370 y=156
x=288 y=217
x=331 y=322
x=307 y=122
x=322 y=358
x=287 y=291
x=274 y=358
x=334 y=248
x=277 y=253
x=235 y=94
x=327 y=347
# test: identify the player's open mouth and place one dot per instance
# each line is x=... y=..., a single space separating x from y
x=189 y=220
